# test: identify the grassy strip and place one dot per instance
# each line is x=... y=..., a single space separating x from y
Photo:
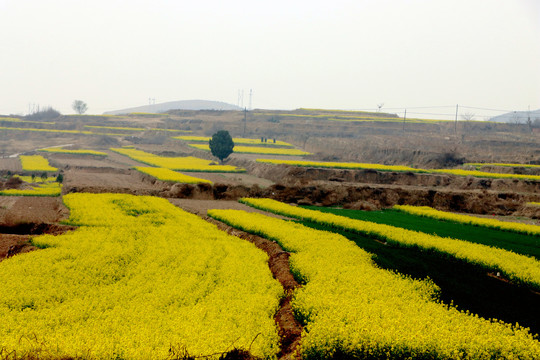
x=472 y=220
x=243 y=141
x=257 y=150
x=73 y=151
x=353 y=309
x=518 y=243
x=139 y=279
x=35 y=163
x=340 y=165
x=188 y=163
x=171 y=176
x=520 y=269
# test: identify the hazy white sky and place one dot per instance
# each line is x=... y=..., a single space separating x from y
x=307 y=53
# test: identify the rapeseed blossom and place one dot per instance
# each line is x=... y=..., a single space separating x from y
x=187 y=163
x=35 y=163
x=138 y=277
x=257 y=150
x=170 y=175
x=521 y=269
x=353 y=308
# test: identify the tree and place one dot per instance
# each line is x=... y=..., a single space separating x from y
x=221 y=145
x=468 y=116
x=79 y=106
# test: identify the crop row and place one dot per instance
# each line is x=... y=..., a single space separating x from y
x=17 y=120
x=170 y=175
x=332 y=116
x=379 y=167
x=518 y=268
x=483 y=174
x=479 y=165
x=59 y=131
x=132 y=128
x=59 y=150
x=188 y=163
x=35 y=163
x=257 y=150
x=340 y=165
x=138 y=279
x=467 y=219
x=43 y=189
x=353 y=309
x=244 y=141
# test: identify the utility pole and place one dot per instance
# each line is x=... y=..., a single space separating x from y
x=245 y=121
x=250 y=97
x=455 y=125
x=404 y=118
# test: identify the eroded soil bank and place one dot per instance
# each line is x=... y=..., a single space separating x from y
x=290 y=330
x=358 y=196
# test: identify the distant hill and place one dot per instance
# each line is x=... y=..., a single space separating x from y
x=177 y=105
x=517 y=117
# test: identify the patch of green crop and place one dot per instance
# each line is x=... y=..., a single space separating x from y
x=518 y=243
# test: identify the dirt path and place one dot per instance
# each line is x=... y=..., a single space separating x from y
x=290 y=330
x=201 y=207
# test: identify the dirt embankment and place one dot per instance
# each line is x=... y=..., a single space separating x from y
x=24 y=217
x=299 y=175
x=361 y=196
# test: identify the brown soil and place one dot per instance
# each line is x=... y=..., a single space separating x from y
x=201 y=207
x=11 y=244
x=21 y=217
x=11 y=164
x=36 y=210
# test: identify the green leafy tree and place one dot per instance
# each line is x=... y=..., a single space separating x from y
x=221 y=145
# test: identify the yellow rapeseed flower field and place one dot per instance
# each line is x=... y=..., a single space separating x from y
x=483 y=174
x=137 y=278
x=257 y=150
x=170 y=175
x=479 y=165
x=518 y=268
x=59 y=150
x=244 y=141
x=43 y=189
x=340 y=165
x=188 y=163
x=353 y=308
x=473 y=220
x=48 y=130
x=35 y=163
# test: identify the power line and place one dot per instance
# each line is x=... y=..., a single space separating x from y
x=480 y=108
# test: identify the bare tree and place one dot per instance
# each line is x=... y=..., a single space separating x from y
x=79 y=106
x=380 y=106
x=468 y=116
